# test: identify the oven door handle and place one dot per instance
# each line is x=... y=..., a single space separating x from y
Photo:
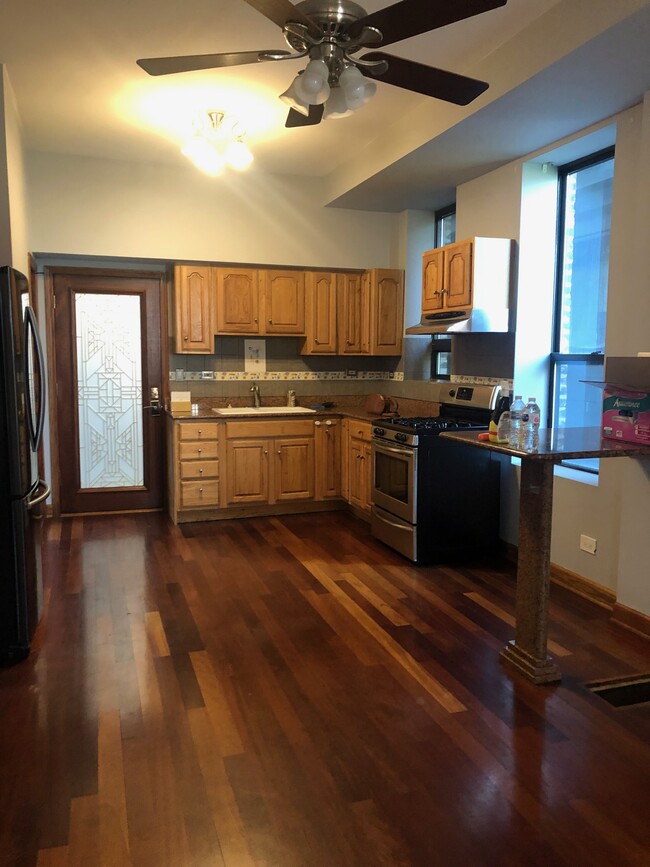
x=407 y=453
x=392 y=523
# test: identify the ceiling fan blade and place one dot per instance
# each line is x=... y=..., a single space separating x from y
x=411 y=17
x=295 y=118
x=281 y=11
x=192 y=62
x=425 y=79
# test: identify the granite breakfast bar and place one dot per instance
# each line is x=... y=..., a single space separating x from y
x=528 y=651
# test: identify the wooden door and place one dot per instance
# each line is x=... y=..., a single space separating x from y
x=247 y=470
x=108 y=347
x=193 y=304
x=293 y=467
x=284 y=302
x=386 y=312
x=328 y=459
x=458 y=275
x=320 y=305
x=351 y=298
x=432 y=279
x=237 y=301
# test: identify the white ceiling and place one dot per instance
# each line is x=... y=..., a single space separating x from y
x=72 y=66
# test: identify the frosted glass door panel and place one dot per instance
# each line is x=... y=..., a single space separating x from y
x=109 y=380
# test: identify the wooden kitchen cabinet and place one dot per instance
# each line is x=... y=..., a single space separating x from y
x=195 y=448
x=320 y=313
x=371 y=312
x=259 y=301
x=327 y=441
x=269 y=461
x=193 y=309
x=237 y=301
x=359 y=465
x=447 y=277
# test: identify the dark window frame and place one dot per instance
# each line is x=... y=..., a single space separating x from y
x=439 y=216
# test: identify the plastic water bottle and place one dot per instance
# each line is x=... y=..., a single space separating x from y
x=516 y=413
x=504 y=428
x=530 y=424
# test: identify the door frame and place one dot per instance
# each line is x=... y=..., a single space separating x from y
x=52 y=271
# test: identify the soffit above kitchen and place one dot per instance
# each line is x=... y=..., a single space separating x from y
x=79 y=91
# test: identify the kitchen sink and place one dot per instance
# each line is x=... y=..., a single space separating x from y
x=263 y=410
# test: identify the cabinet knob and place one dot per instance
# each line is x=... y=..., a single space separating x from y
x=316 y=341
x=270 y=322
x=200 y=490
x=200 y=431
x=279 y=452
x=328 y=422
x=185 y=338
x=254 y=320
x=317 y=423
x=348 y=342
x=265 y=452
x=200 y=471
x=199 y=450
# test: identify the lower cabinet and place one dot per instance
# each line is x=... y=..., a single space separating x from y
x=194 y=448
x=269 y=462
x=327 y=441
x=359 y=465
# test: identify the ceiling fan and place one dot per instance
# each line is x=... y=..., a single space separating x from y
x=331 y=32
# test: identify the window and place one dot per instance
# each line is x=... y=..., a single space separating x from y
x=584 y=219
x=440 y=356
x=445 y=226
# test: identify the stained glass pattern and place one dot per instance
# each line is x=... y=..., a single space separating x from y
x=109 y=385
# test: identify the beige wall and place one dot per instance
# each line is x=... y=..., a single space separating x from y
x=97 y=207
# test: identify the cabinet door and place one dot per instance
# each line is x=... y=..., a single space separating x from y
x=293 y=468
x=458 y=275
x=247 y=471
x=386 y=312
x=193 y=290
x=284 y=302
x=237 y=301
x=345 y=459
x=352 y=298
x=367 y=478
x=432 y=279
x=356 y=491
x=321 y=303
x=328 y=459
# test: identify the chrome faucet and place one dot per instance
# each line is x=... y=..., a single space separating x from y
x=255 y=391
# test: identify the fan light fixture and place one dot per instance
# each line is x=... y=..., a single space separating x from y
x=341 y=88
x=217 y=142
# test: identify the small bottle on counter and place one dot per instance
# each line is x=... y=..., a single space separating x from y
x=291 y=397
x=503 y=428
x=516 y=413
x=502 y=405
x=530 y=424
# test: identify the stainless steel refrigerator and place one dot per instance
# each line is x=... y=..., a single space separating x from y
x=22 y=416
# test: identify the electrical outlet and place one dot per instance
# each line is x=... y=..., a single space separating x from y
x=351 y=374
x=255 y=356
x=588 y=544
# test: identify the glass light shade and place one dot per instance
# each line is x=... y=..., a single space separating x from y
x=353 y=84
x=238 y=156
x=312 y=86
x=292 y=99
x=336 y=106
x=203 y=155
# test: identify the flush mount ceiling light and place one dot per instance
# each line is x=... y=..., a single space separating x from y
x=331 y=33
x=217 y=142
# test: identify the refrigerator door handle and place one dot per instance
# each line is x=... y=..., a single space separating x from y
x=31 y=330
x=41 y=497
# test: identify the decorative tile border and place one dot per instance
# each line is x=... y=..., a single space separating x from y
x=287 y=375
x=481 y=380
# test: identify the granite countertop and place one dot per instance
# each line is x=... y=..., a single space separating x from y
x=558 y=444
x=345 y=406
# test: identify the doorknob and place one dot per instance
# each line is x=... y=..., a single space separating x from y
x=154 y=401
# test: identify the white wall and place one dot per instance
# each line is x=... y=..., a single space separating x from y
x=13 y=214
x=96 y=207
x=614 y=510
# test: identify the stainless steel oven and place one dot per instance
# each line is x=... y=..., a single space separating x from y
x=395 y=479
x=434 y=500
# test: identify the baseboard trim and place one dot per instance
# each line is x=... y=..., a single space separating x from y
x=632 y=620
x=596 y=593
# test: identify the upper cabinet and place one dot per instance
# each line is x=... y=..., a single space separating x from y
x=364 y=316
x=260 y=301
x=447 y=277
x=193 y=294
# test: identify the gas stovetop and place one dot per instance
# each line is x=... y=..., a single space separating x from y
x=410 y=431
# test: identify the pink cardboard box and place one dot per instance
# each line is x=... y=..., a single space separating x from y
x=626 y=400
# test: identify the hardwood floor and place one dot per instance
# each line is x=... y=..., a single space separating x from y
x=287 y=691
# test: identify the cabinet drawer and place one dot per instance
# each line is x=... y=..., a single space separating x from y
x=199 y=469
x=203 y=493
x=198 y=430
x=280 y=428
x=360 y=430
x=194 y=450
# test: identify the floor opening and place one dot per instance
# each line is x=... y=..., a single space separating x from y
x=623 y=691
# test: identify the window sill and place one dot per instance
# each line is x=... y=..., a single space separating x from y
x=582 y=476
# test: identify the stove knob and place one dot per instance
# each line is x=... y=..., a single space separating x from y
x=452 y=392
x=400 y=437
x=379 y=431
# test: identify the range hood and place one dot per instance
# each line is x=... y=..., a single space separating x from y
x=491 y=307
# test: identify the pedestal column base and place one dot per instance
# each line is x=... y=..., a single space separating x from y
x=536 y=670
